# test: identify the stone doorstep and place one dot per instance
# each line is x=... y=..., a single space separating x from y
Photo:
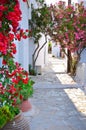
x=81 y=73
x=55 y=86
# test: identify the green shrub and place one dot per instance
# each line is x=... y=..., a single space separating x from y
x=31 y=70
x=5 y=115
x=27 y=89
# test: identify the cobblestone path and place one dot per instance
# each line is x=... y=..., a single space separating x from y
x=58 y=102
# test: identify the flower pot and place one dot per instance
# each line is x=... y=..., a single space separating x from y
x=26 y=106
x=19 y=123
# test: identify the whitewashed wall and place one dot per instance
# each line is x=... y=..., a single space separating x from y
x=78 y=1
x=83 y=56
x=22 y=55
x=31 y=49
x=43 y=56
x=46 y=54
x=81 y=70
x=84 y=1
x=34 y=3
x=31 y=40
x=54 y=49
x=0 y=62
x=74 y=1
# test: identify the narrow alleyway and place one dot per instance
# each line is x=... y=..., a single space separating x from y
x=58 y=103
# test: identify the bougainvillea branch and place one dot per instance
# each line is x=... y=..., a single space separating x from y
x=10 y=15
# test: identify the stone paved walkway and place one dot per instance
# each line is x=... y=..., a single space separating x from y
x=58 y=103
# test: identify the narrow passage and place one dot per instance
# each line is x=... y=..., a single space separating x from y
x=59 y=104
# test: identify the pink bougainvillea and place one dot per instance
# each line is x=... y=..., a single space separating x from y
x=69 y=25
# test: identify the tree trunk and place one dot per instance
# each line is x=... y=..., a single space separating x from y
x=69 y=53
x=33 y=56
x=69 y=62
x=74 y=59
x=69 y=2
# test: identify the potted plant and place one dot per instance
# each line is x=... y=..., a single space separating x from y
x=7 y=114
x=27 y=93
x=12 y=90
x=27 y=89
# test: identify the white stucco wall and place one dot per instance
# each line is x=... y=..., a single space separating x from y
x=0 y=62
x=56 y=50
x=34 y=3
x=22 y=55
x=74 y=1
x=83 y=56
x=46 y=54
x=31 y=49
x=81 y=70
x=43 y=55
x=81 y=73
x=84 y=1
x=78 y=1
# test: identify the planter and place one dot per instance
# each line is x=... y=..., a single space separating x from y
x=38 y=69
x=19 y=123
x=26 y=106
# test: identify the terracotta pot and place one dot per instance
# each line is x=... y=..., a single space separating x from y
x=19 y=123
x=26 y=106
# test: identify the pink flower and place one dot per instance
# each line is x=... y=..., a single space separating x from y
x=24 y=0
